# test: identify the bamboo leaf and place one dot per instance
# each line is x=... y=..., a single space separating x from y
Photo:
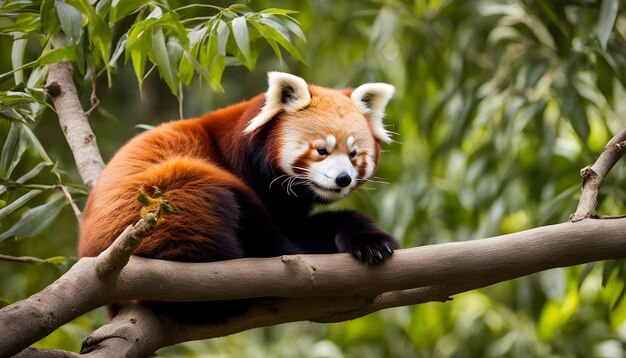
x=121 y=8
x=67 y=53
x=17 y=58
x=34 y=143
x=240 y=33
x=18 y=203
x=35 y=220
x=12 y=151
x=606 y=21
x=33 y=172
x=70 y=19
x=49 y=17
x=161 y=58
x=222 y=37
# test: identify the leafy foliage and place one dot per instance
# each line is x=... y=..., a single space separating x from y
x=499 y=104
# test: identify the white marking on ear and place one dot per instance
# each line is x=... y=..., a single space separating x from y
x=372 y=98
x=285 y=92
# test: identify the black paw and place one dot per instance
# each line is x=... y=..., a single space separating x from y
x=370 y=247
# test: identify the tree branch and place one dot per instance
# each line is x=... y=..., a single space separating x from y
x=333 y=287
x=62 y=90
x=593 y=176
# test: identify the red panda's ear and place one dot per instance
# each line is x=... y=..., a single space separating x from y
x=285 y=92
x=372 y=98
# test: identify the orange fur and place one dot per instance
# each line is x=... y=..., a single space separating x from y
x=217 y=171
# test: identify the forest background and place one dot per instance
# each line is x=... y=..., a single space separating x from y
x=498 y=106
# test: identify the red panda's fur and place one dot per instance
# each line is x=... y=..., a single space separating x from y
x=219 y=180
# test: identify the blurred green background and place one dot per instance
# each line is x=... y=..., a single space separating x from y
x=499 y=104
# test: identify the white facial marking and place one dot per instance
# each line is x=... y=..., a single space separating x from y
x=324 y=173
x=350 y=142
x=331 y=142
x=291 y=151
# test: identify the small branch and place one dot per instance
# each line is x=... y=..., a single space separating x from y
x=116 y=256
x=70 y=200
x=23 y=259
x=95 y=102
x=593 y=177
x=61 y=89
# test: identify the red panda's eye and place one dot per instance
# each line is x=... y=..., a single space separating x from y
x=322 y=151
x=352 y=154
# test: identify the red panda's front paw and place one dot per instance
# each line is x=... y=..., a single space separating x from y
x=370 y=247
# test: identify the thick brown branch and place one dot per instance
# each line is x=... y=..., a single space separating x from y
x=61 y=89
x=593 y=176
x=412 y=276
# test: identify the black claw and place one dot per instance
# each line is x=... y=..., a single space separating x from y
x=379 y=256
x=358 y=254
x=388 y=248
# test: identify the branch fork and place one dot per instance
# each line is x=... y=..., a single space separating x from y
x=593 y=177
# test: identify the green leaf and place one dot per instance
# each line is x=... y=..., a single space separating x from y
x=606 y=21
x=168 y=207
x=49 y=17
x=273 y=35
x=103 y=7
x=33 y=172
x=217 y=69
x=144 y=198
x=275 y=11
x=57 y=260
x=70 y=19
x=188 y=59
x=583 y=275
x=574 y=110
x=119 y=49
x=240 y=33
x=35 y=220
x=222 y=37
x=99 y=32
x=291 y=24
x=12 y=151
x=18 y=203
x=35 y=145
x=17 y=59
x=161 y=58
x=67 y=53
x=121 y=8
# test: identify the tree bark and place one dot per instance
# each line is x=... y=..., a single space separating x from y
x=332 y=287
x=62 y=90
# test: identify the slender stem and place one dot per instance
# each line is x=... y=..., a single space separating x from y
x=593 y=176
x=23 y=259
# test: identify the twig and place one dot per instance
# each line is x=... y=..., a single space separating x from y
x=116 y=256
x=69 y=198
x=593 y=176
x=95 y=102
x=23 y=259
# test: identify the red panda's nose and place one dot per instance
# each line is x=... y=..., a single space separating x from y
x=343 y=179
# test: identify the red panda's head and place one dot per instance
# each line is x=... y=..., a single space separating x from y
x=326 y=139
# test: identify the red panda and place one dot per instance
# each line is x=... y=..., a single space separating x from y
x=244 y=179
